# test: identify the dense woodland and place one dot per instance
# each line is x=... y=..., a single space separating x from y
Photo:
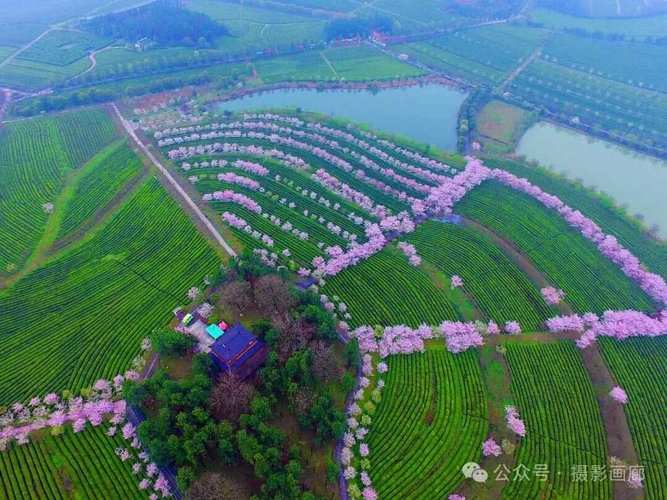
x=165 y=22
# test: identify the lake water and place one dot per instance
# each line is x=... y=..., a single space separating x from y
x=632 y=179
x=427 y=114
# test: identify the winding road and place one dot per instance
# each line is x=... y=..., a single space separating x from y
x=175 y=185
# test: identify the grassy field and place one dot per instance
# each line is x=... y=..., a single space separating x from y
x=500 y=124
x=431 y=421
x=640 y=367
x=564 y=257
x=87 y=308
x=556 y=400
x=71 y=465
x=483 y=55
x=35 y=157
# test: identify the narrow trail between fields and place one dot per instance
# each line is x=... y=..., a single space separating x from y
x=326 y=60
x=25 y=47
x=193 y=207
x=518 y=70
x=619 y=437
x=92 y=57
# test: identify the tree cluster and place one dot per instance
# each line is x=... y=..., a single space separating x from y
x=164 y=22
x=208 y=417
x=357 y=27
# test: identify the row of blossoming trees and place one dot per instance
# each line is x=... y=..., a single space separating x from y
x=328 y=201
x=97 y=436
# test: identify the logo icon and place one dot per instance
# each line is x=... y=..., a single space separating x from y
x=473 y=471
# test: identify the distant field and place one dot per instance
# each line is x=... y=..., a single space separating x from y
x=632 y=27
x=366 y=63
x=329 y=5
x=354 y=63
x=640 y=367
x=63 y=47
x=82 y=465
x=17 y=34
x=33 y=75
x=51 y=11
x=611 y=108
x=432 y=419
x=223 y=11
x=6 y=52
x=564 y=257
x=557 y=401
x=638 y=64
x=482 y=55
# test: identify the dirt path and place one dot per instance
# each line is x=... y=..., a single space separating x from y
x=93 y=61
x=517 y=71
x=326 y=60
x=522 y=262
x=175 y=185
x=619 y=438
x=21 y=50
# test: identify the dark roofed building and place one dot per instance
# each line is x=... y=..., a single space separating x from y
x=238 y=352
x=305 y=283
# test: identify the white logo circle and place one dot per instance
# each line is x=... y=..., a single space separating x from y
x=469 y=468
x=480 y=475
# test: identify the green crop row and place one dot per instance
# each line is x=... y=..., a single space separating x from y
x=82 y=465
x=105 y=176
x=82 y=315
x=431 y=421
x=499 y=289
x=640 y=368
x=386 y=290
x=569 y=261
x=35 y=155
x=602 y=212
x=556 y=400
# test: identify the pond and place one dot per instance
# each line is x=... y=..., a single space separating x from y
x=424 y=113
x=635 y=180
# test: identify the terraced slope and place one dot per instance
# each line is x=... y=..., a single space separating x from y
x=556 y=400
x=71 y=465
x=82 y=315
x=590 y=281
x=640 y=367
x=432 y=419
x=35 y=156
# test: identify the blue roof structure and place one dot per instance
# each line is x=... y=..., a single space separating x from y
x=238 y=351
x=305 y=283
